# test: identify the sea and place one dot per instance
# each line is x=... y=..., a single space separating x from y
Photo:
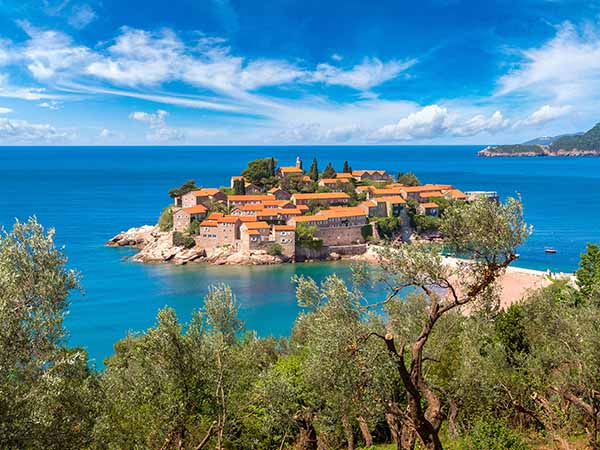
x=89 y=194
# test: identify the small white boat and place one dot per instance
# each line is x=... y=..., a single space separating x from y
x=549 y=250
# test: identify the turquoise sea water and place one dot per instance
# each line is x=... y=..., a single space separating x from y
x=90 y=194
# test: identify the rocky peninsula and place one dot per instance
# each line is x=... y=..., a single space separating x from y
x=570 y=145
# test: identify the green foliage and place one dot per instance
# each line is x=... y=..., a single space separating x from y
x=408 y=179
x=590 y=140
x=366 y=232
x=183 y=240
x=511 y=334
x=239 y=187
x=494 y=435
x=424 y=223
x=186 y=187
x=328 y=172
x=313 y=173
x=193 y=228
x=347 y=168
x=165 y=221
x=537 y=150
x=261 y=172
x=388 y=227
x=293 y=184
x=48 y=396
x=588 y=273
x=275 y=250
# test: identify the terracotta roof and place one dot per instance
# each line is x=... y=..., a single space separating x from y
x=393 y=199
x=310 y=219
x=253 y=232
x=205 y=192
x=276 y=202
x=387 y=191
x=455 y=193
x=198 y=209
x=250 y=207
x=284 y=227
x=303 y=207
x=250 y=198
x=353 y=211
x=290 y=169
x=359 y=173
x=275 y=189
x=431 y=194
x=228 y=219
x=214 y=216
x=429 y=205
x=256 y=225
x=208 y=223
x=344 y=175
x=426 y=188
x=364 y=188
x=306 y=179
x=247 y=219
x=333 y=180
x=321 y=196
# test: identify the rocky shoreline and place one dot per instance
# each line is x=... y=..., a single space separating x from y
x=157 y=247
x=494 y=152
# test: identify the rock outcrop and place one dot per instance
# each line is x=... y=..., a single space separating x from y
x=157 y=247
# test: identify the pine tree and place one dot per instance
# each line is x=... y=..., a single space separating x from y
x=313 y=173
x=347 y=168
x=329 y=171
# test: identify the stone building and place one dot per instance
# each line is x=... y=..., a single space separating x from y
x=322 y=198
x=371 y=175
x=182 y=217
x=204 y=197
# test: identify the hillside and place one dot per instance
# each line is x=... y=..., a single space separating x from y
x=578 y=144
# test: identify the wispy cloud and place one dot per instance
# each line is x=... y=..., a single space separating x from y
x=81 y=16
x=564 y=68
x=547 y=113
x=159 y=131
x=5 y=110
x=22 y=132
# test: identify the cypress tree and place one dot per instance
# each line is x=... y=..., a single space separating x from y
x=329 y=171
x=239 y=187
x=347 y=168
x=313 y=173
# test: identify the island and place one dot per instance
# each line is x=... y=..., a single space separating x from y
x=272 y=214
x=578 y=144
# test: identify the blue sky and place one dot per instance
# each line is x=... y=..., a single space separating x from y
x=184 y=72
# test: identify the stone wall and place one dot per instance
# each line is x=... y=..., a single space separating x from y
x=340 y=235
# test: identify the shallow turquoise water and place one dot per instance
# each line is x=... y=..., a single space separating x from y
x=90 y=194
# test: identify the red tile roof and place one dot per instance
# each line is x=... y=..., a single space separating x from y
x=250 y=198
x=322 y=196
x=198 y=209
x=284 y=227
x=256 y=225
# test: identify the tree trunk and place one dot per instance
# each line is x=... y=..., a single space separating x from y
x=408 y=437
x=364 y=429
x=348 y=432
x=393 y=417
x=307 y=438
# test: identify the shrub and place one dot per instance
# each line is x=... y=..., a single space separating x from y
x=275 y=250
x=194 y=227
x=494 y=435
x=165 y=221
x=183 y=240
x=366 y=231
x=389 y=227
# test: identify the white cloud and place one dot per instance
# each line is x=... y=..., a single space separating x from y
x=50 y=53
x=159 y=131
x=51 y=104
x=364 y=76
x=81 y=16
x=337 y=57
x=547 y=113
x=5 y=110
x=21 y=131
x=564 y=68
x=480 y=123
x=429 y=122
x=139 y=57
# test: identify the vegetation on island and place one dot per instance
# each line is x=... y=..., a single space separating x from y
x=422 y=375
x=186 y=187
x=261 y=172
x=408 y=179
x=579 y=142
x=165 y=221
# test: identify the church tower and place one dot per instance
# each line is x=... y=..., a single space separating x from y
x=298 y=162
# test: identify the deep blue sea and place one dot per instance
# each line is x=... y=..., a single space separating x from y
x=90 y=194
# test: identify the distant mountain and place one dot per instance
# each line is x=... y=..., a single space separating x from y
x=577 y=144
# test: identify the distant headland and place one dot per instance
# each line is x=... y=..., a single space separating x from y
x=578 y=144
x=271 y=214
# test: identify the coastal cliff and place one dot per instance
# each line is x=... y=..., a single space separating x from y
x=157 y=247
x=573 y=145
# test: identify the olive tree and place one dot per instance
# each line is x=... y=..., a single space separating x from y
x=487 y=234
